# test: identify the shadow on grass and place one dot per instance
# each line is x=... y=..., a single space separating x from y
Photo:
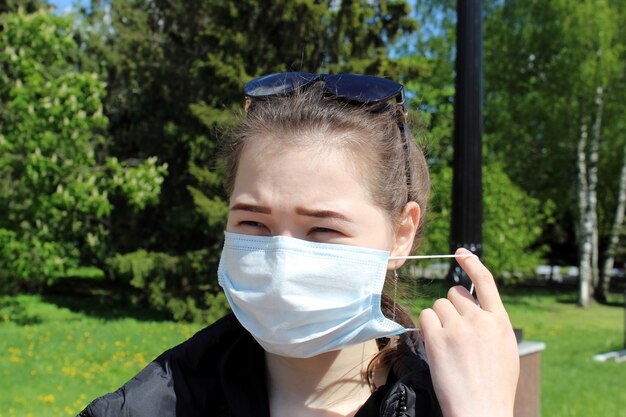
x=614 y=300
x=613 y=304
x=104 y=300
x=615 y=347
x=524 y=293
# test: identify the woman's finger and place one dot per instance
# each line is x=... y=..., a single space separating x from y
x=445 y=311
x=483 y=282
x=429 y=322
x=462 y=300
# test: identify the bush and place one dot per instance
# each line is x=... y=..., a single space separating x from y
x=512 y=222
x=182 y=286
x=56 y=179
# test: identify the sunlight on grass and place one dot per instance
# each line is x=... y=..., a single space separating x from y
x=572 y=383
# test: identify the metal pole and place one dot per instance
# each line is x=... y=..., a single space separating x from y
x=466 y=230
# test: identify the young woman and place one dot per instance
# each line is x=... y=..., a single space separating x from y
x=328 y=193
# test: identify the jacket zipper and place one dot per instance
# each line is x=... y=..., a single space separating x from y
x=402 y=403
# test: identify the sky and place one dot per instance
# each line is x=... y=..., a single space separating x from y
x=64 y=6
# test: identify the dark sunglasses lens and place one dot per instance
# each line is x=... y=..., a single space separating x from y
x=277 y=84
x=362 y=88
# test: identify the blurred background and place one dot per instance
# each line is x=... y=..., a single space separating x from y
x=112 y=206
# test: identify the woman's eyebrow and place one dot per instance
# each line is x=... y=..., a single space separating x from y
x=322 y=214
x=251 y=207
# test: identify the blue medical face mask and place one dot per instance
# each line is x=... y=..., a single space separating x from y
x=300 y=298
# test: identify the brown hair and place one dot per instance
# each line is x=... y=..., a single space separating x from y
x=396 y=168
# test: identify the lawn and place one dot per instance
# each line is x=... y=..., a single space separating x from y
x=56 y=355
x=572 y=383
x=59 y=352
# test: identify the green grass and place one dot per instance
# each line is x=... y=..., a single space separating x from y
x=59 y=352
x=84 y=272
x=572 y=383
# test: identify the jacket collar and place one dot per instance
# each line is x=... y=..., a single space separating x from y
x=243 y=376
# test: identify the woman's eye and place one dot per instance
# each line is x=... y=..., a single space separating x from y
x=250 y=223
x=324 y=230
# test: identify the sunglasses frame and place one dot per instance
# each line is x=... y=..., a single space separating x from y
x=285 y=83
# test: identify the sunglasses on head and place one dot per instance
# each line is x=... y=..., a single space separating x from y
x=363 y=89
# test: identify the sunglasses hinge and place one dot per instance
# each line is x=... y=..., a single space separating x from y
x=402 y=111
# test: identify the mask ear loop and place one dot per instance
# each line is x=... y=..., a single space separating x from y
x=395 y=293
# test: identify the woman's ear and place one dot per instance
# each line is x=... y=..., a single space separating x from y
x=405 y=233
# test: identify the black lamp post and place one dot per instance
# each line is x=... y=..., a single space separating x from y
x=466 y=230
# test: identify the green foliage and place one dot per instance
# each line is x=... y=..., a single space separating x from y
x=174 y=76
x=56 y=182
x=512 y=223
x=179 y=286
x=28 y=6
x=544 y=61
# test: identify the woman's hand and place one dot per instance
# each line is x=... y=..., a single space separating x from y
x=471 y=349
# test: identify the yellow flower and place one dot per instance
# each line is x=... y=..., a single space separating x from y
x=69 y=371
x=140 y=359
x=47 y=399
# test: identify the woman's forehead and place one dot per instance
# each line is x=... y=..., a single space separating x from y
x=315 y=172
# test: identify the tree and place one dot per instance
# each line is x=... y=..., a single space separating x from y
x=513 y=220
x=615 y=234
x=613 y=178
x=549 y=67
x=27 y=6
x=56 y=181
x=512 y=226
x=175 y=74
x=174 y=77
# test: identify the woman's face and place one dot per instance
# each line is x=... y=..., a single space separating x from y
x=314 y=193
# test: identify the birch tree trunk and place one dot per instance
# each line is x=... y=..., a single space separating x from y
x=618 y=221
x=585 y=223
x=593 y=186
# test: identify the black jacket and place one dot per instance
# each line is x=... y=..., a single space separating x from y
x=220 y=372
